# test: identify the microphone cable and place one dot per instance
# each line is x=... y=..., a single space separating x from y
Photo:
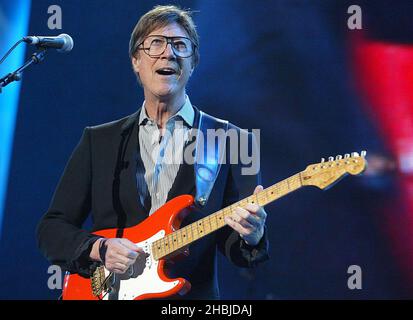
x=11 y=49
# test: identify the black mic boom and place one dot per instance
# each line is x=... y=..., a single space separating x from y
x=63 y=42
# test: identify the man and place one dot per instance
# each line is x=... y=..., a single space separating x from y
x=119 y=171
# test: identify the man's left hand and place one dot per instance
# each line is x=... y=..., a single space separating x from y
x=249 y=221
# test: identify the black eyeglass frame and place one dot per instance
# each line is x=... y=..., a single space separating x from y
x=169 y=40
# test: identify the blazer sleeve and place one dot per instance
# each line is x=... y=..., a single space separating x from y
x=59 y=234
x=240 y=183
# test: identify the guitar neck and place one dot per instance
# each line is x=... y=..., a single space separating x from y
x=181 y=238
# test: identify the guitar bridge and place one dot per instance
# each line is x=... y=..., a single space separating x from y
x=99 y=281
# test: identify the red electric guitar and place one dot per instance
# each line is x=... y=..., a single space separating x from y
x=161 y=239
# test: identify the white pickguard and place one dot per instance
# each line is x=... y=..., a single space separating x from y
x=148 y=281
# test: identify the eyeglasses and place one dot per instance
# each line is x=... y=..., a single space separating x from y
x=154 y=46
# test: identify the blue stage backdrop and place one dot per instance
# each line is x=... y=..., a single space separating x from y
x=279 y=66
x=14 y=21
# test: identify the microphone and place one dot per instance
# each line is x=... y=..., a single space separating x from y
x=63 y=42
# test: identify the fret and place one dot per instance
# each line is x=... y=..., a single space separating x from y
x=170 y=242
x=200 y=228
x=174 y=239
x=260 y=199
x=180 y=236
x=227 y=212
x=191 y=227
x=185 y=237
x=208 y=225
x=216 y=218
x=206 y=228
x=217 y=222
x=186 y=234
x=243 y=203
x=220 y=218
x=155 y=250
x=178 y=245
x=197 y=229
x=267 y=198
x=211 y=227
x=162 y=246
x=167 y=246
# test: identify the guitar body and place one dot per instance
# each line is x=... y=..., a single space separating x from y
x=148 y=279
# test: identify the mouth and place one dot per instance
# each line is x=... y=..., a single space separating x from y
x=167 y=71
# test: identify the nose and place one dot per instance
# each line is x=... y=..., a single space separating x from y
x=169 y=52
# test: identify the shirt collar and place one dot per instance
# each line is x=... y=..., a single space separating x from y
x=186 y=112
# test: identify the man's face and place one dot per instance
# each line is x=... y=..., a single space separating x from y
x=157 y=84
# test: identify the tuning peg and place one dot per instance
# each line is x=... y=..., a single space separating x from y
x=323 y=160
x=363 y=153
x=339 y=157
x=346 y=156
x=330 y=159
x=354 y=154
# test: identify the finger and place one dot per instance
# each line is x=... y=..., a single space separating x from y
x=122 y=259
x=248 y=216
x=243 y=222
x=120 y=266
x=257 y=211
x=253 y=208
x=116 y=267
x=127 y=251
x=261 y=214
x=258 y=189
x=237 y=227
x=122 y=250
x=130 y=245
x=118 y=271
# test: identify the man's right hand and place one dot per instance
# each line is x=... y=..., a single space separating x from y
x=120 y=254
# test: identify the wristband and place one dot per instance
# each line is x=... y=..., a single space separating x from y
x=102 y=250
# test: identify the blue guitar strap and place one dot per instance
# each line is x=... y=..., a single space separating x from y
x=209 y=155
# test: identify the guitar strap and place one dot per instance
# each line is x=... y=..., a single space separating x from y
x=209 y=155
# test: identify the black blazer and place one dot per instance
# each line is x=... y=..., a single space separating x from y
x=100 y=179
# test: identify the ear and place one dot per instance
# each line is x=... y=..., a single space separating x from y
x=136 y=61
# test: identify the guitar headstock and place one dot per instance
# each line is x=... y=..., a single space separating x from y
x=326 y=173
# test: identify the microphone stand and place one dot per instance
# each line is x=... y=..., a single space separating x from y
x=36 y=58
